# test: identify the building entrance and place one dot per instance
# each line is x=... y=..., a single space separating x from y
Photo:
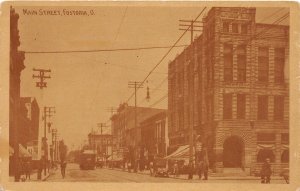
x=233 y=152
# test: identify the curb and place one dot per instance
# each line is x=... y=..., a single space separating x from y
x=214 y=178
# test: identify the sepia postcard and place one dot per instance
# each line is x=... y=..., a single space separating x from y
x=157 y=95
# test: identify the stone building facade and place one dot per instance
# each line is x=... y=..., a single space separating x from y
x=231 y=87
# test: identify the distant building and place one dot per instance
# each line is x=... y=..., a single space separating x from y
x=32 y=113
x=29 y=125
x=127 y=134
x=101 y=143
x=154 y=136
x=231 y=87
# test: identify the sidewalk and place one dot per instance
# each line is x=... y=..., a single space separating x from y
x=34 y=176
x=196 y=177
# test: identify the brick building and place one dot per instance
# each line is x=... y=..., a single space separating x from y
x=16 y=65
x=231 y=87
x=127 y=134
x=154 y=136
x=101 y=143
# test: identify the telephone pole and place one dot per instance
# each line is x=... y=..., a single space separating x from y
x=41 y=84
x=101 y=125
x=136 y=85
x=48 y=112
x=112 y=110
x=191 y=25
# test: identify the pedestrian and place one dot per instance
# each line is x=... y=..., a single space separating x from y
x=203 y=169
x=63 y=166
x=176 y=169
x=190 y=170
x=129 y=167
x=151 y=167
x=27 y=168
x=266 y=172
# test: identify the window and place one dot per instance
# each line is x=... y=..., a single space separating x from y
x=241 y=63
x=284 y=138
x=241 y=106
x=285 y=156
x=278 y=107
x=263 y=64
x=279 y=65
x=227 y=106
x=235 y=28
x=244 y=28
x=228 y=62
x=225 y=27
x=263 y=154
x=180 y=82
x=262 y=107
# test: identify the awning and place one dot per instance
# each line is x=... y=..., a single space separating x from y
x=22 y=151
x=182 y=153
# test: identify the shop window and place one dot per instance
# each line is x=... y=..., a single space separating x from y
x=227 y=106
x=263 y=64
x=262 y=107
x=285 y=156
x=263 y=154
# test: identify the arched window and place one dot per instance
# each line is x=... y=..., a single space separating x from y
x=263 y=154
x=285 y=156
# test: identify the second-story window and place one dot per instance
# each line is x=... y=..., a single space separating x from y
x=278 y=107
x=262 y=107
x=241 y=63
x=228 y=62
x=279 y=65
x=263 y=64
x=227 y=106
x=241 y=106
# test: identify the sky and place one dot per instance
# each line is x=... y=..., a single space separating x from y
x=84 y=85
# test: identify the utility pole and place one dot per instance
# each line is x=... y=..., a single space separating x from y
x=191 y=25
x=112 y=110
x=136 y=85
x=41 y=84
x=48 y=111
x=101 y=125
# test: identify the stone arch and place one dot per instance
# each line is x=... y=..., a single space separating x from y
x=233 y=152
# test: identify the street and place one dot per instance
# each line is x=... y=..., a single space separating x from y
x=74 y=174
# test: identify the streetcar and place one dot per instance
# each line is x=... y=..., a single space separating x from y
x=87 y=160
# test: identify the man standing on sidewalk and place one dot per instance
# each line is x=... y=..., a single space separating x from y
x=190 y=170
x=266 y=172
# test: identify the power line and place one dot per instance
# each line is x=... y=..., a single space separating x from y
x=101 y=50
x=165 y=55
